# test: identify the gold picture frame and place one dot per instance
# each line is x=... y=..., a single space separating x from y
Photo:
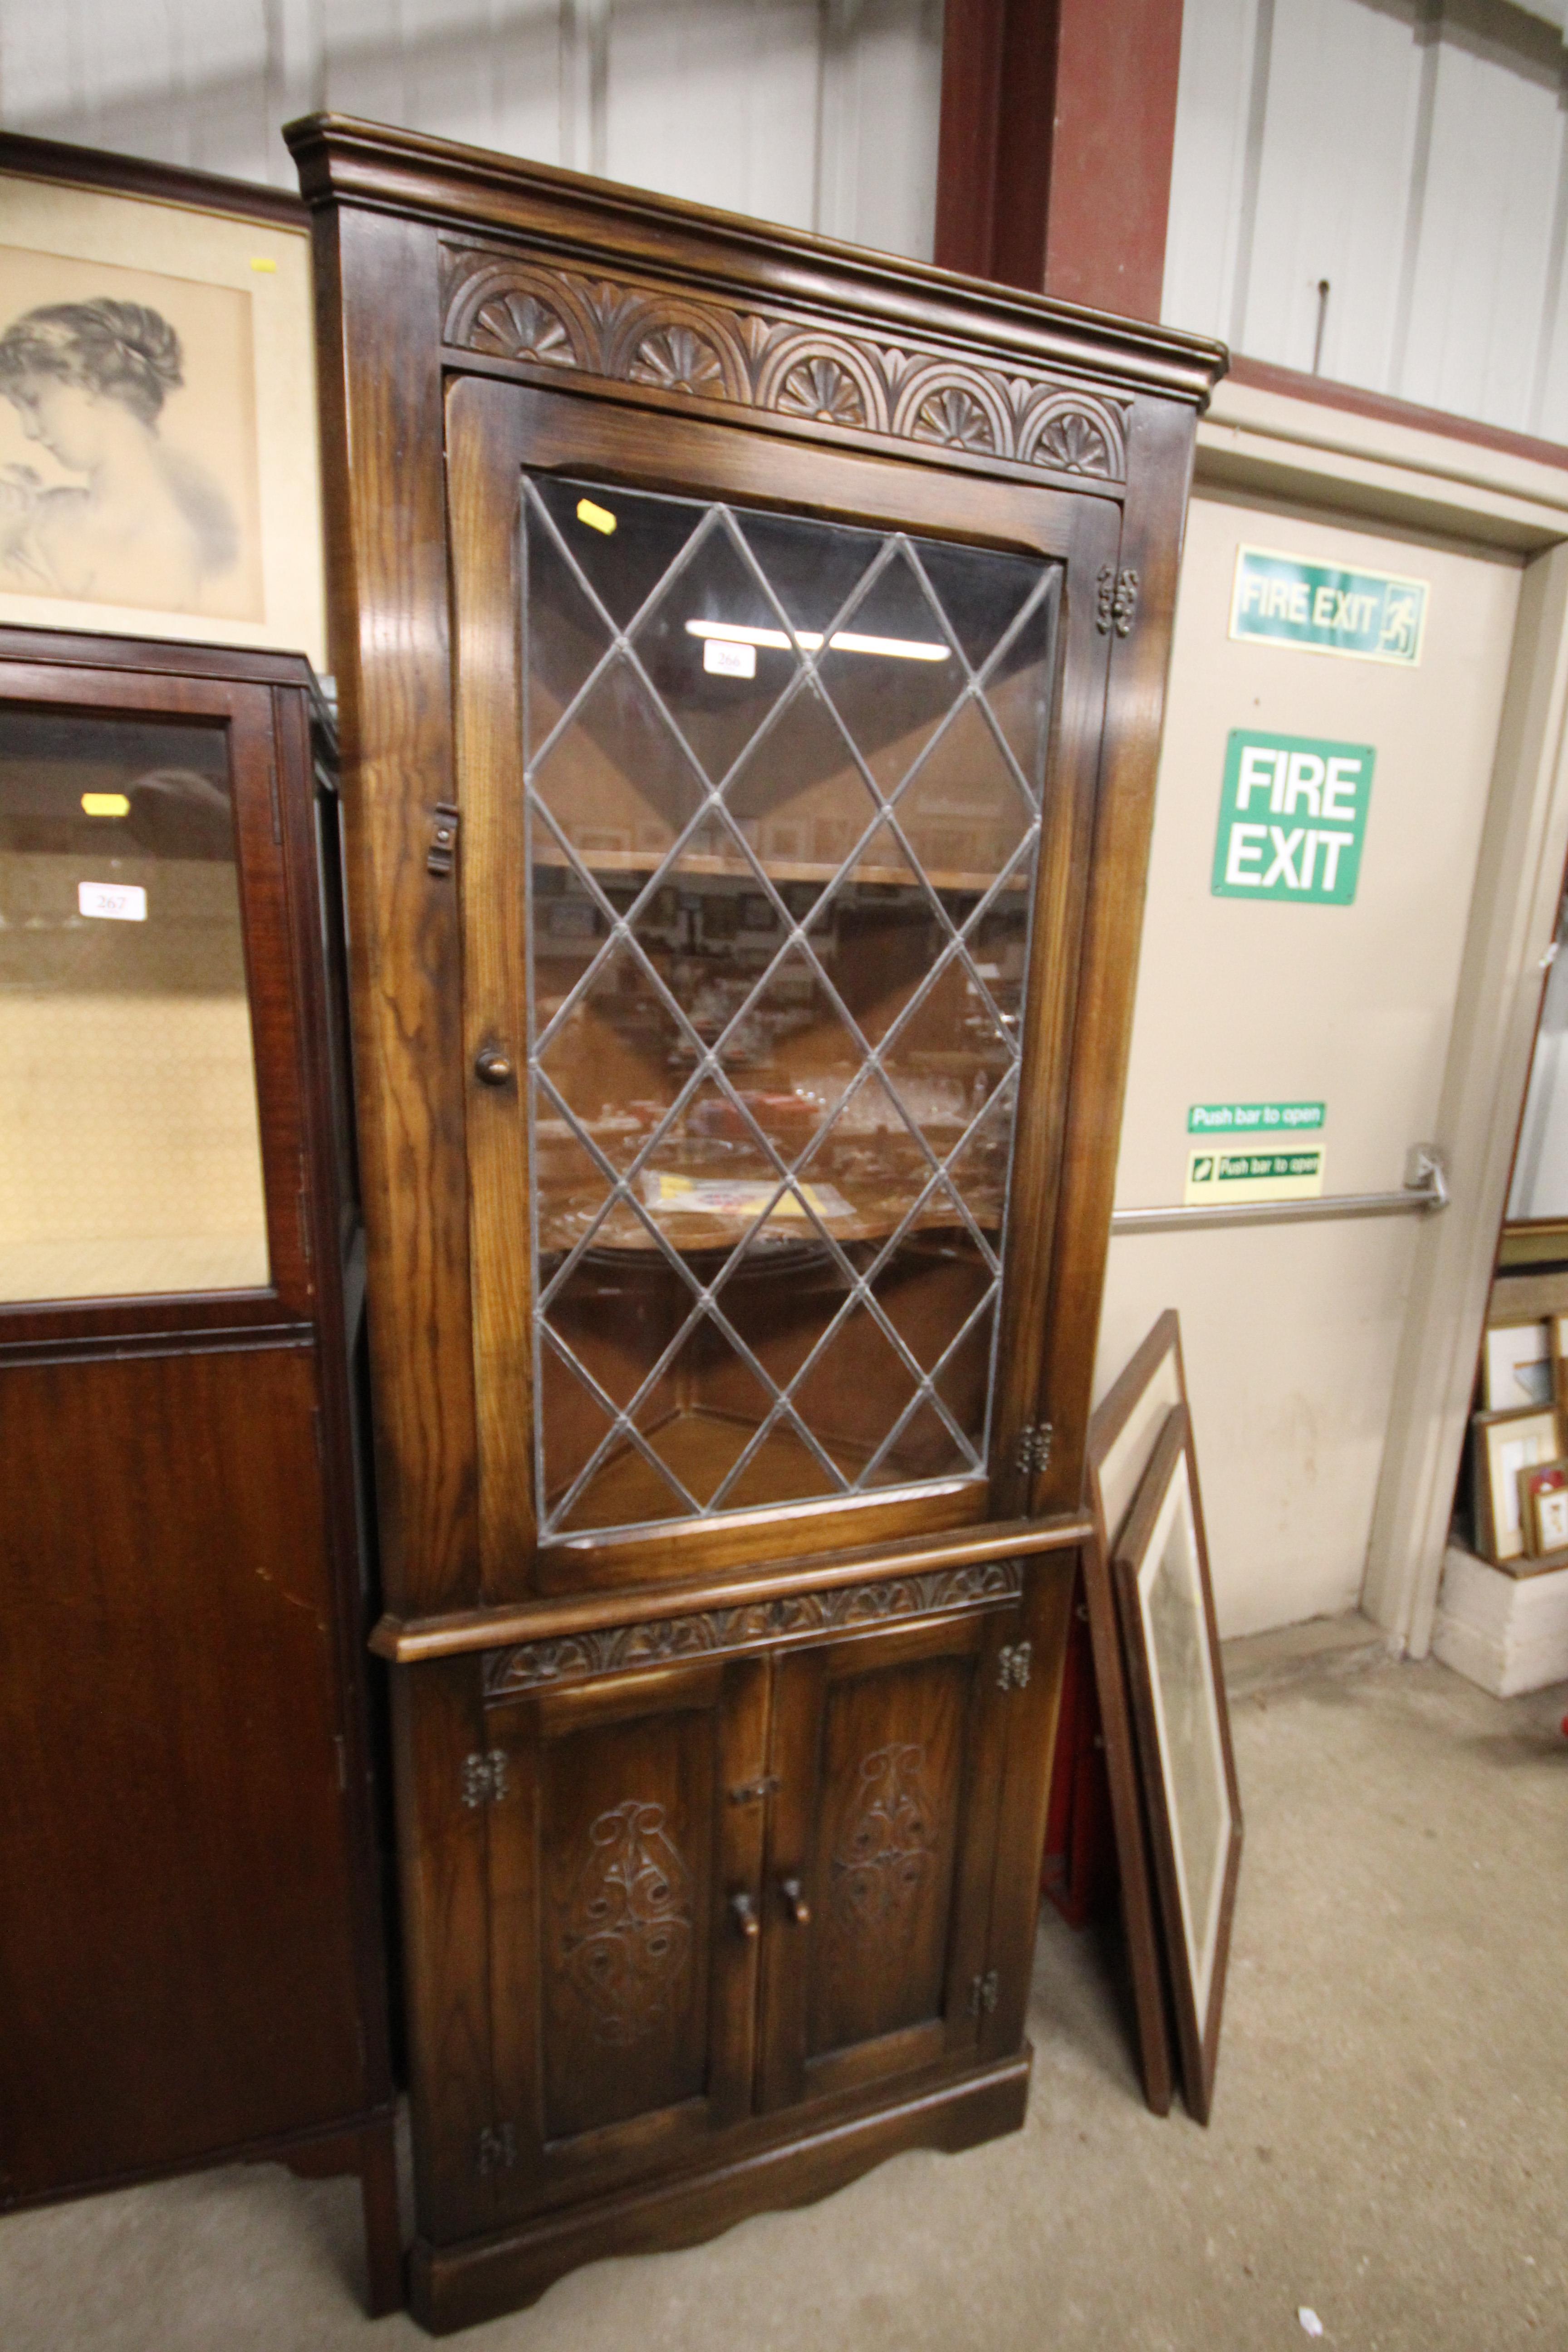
x=159 y=466
x=1505 y=1444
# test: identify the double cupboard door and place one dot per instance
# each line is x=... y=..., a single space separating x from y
x=724 y=1889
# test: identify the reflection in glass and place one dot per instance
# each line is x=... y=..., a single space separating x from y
x=783 y=804
x=129 y=1142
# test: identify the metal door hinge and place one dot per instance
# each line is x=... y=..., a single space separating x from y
x=1033 y=1448
x=483 y=1779
x=1012 y=1662
x=985 y=1994
x=496 y=2149
x=1116 y=600
x=443 y=841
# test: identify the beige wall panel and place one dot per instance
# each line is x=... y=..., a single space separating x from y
x=1291 y=1334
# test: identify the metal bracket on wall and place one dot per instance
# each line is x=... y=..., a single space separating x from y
x=1425 y=1188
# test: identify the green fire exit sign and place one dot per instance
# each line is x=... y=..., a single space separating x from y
x=1328 y=608
x=1292 y=814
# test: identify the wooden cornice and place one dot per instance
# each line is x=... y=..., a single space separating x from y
x=550 y=212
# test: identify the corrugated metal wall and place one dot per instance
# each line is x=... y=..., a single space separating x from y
x=821 y=113
x=1408 y=155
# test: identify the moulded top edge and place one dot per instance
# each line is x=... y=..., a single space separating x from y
x=403 y=170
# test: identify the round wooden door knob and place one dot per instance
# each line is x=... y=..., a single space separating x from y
x=494 y=1066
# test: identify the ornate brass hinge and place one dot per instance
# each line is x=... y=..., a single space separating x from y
x=1034 y=1449
x=1116 y=600
x=497 y=2148
x=483 y=1781
x=985 y=1994
x=443 y=841
x=1012 y=1662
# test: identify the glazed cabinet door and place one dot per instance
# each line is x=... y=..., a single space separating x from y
x=624 y=1909
x=888 y=1751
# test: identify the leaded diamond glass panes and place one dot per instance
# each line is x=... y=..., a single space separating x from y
x=784 y=786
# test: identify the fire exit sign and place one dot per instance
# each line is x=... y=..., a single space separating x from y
x=1292 y=814
x=1328 y=608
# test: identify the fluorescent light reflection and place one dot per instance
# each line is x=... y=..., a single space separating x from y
x=845 y=641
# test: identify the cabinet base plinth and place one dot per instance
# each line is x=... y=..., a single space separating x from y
x=459 y=2285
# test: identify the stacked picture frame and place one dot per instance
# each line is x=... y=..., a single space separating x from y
x=1519 y=1459
x=1175 y=1805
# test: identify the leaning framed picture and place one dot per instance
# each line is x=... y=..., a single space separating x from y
x=1508 y=1443
x=159 y=471
x=1124 y=1431
x=1177 y=1688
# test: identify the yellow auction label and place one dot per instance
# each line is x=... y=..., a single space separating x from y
x=1227 y=1178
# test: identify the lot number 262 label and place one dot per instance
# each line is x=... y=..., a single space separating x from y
x=1292 y=816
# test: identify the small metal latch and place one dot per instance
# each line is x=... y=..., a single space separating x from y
x=1012 y=1662
x=443 y=841
x=985 y=1994
x=496 y=2149
x=751 y=1792
x=1034 y=1449
x=484 y=1779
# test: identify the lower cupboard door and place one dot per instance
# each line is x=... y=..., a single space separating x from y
x=625 y=1869
x=887 y=1753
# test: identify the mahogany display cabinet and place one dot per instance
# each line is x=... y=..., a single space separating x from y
x=751 y=654
x=191 y=1949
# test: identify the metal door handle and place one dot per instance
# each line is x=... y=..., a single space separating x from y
x=795 y=1901
x=743 y=1912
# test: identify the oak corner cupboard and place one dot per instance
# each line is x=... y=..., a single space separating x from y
x=752 y=655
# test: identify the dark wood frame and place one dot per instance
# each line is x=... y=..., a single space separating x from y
x=1134 y=1862
x=1198 y=2035
x=269 y=705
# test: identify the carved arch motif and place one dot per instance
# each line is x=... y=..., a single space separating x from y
x=826 y=378
x=958 y=406
x=513 y=312
x=1075 y=435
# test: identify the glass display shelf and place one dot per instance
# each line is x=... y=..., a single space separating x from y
x=784 y=782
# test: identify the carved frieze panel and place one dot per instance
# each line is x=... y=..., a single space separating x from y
x=753 y=1624
x=821 y=374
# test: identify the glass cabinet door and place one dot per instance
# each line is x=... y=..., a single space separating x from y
x=130 y=1139
x=784 y=786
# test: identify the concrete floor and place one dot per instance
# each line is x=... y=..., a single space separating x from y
x=1389 y=2146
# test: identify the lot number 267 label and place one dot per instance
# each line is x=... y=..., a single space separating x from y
x=1292 y=816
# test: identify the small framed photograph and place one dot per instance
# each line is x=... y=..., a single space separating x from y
x=1543 y=1507
x=1517 y=1366
x=1183 y=1738
x=1507 y=1444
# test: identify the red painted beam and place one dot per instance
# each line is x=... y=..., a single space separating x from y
x=1057 y=124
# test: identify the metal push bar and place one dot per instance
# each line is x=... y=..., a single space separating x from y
x=1426 y=1187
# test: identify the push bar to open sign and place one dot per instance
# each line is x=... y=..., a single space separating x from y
x=1426 y=1187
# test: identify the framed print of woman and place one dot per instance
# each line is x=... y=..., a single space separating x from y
x=89 y=381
